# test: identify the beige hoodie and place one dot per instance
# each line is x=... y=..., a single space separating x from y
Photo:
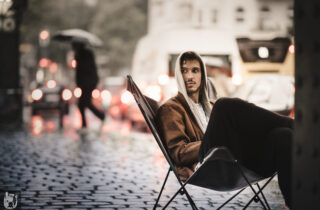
x=205 y=99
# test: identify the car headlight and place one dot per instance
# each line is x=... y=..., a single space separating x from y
x=77 y=92
x=37 y=94
x=95 y=94
x=106 y=97
x=127 y=97
x=66 y=94
x=51 y=84
x=263 y=52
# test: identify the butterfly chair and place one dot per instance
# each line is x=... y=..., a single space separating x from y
x=226 y=174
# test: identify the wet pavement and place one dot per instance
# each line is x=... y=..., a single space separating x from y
x=60 y=169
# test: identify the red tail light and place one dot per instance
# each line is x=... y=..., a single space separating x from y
x=291 y=49
x=73 y=63
x=44 y=62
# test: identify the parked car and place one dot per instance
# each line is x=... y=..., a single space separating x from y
x=50 y=96
x=272 y=92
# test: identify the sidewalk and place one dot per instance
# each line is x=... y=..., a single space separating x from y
x=61 y=170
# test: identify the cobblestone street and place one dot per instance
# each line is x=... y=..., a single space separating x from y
x=62 y=170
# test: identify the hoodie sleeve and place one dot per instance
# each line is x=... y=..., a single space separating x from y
x=182 y=148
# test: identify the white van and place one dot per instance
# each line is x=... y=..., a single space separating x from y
x=156 y=53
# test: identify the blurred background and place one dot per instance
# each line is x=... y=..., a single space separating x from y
x=248 y=47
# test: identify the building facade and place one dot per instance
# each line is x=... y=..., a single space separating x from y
x=241 y=16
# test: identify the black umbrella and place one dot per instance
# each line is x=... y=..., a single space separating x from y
x=78 y=35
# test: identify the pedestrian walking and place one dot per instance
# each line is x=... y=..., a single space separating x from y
x=87 y=79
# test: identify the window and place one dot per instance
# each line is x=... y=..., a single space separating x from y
x=239 y=14
x=186 y=12
x=214 y=16
x=265 y=12
x=265 y=22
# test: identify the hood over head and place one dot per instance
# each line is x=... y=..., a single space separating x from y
x=204 y=99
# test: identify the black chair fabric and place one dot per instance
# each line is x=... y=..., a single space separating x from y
x=220 y=172
x=149 y=108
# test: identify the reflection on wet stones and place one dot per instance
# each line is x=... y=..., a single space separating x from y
x=111 y=171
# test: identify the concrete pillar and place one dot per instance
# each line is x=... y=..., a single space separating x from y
x=306 y=149
x=10 y=91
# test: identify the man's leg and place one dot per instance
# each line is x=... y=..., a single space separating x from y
x=240 y=126
x=84 y=101
x=81 y=106
x=98 y=113
x=260 y=139
x=282 y=139
x=274 y=155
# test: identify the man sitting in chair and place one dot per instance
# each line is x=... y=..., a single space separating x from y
x=191 y=125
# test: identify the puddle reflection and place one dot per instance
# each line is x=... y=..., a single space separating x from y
x=37 y=125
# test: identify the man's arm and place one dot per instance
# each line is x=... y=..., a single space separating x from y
x=182 y=148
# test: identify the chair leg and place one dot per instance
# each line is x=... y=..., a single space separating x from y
x=164 y=183
x=171 y=199
x=255 y=193
x=182 y=190
x=261 y=189
x=193 y=205
x=230 y=198
x=264 y=198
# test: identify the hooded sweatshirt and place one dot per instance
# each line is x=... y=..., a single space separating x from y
x=181 y=127
x=204 y=99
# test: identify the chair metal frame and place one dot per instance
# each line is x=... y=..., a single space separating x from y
x=219 y=153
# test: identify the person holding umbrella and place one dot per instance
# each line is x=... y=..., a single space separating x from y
x=86 y=79
x=86 y=69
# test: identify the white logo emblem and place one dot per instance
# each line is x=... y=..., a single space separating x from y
x=5 y=6
x=7 y=21
x=10 y=201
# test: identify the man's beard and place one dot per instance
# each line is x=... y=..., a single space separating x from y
x=191 y=92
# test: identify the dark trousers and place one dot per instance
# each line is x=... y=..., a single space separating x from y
x=85 y=101
x=259 y=139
